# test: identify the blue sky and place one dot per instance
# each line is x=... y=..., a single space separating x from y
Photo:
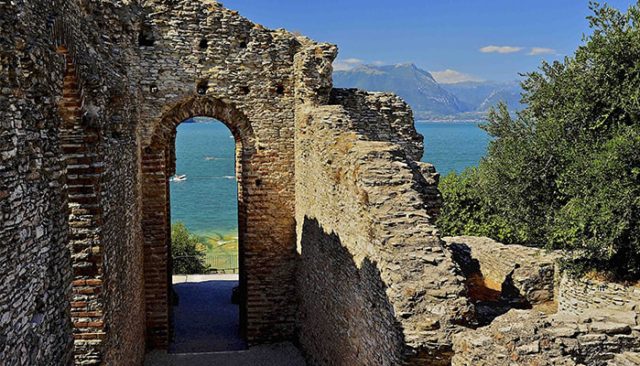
x=454 y=39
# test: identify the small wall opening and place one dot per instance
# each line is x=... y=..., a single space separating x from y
x=202 y=87
x=203 y=44
x=204 y=239
x=280 y=89
x=145 y=36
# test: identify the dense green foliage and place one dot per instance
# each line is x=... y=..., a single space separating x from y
x=565 y=172
x=187 y=251
x=468 y=211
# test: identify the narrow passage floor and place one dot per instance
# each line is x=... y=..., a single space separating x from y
x=206 y=325
x=283 y=354
x=205 y=319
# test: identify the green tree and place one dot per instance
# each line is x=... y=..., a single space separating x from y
x=187 y=251
x=565 y=172
x=467 y=211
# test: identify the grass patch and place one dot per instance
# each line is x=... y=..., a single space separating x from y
x=221 y=251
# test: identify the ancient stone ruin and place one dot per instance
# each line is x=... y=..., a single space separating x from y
x=338 y=249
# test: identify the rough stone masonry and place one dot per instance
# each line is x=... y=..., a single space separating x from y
x=338 y=248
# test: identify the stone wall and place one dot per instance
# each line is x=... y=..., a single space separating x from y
x=200 y=59
x=74 y=139
x=590 y=323
x=381 y=117
x=102 y=176
x=373 y=276
x=525 y=337
x=576 y=296
x=626 y=359
x=35 y=267
x=520 y=273
x=123 y=252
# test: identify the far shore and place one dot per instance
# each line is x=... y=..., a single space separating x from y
x=450 y=120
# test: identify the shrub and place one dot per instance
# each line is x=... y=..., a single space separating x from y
x=467 y=211
x=187 y=251
x=565 y=172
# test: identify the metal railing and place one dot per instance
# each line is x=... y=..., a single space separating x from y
x=217 y=263
x=222 y=263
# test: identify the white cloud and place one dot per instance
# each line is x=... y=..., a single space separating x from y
x=449 y=76
x=535 y=51
x=500 y=49
x=346 y=64
x=378 y=63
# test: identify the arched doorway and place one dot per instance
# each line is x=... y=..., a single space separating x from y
x=157 y=166
x=266 y=215
x=204 y=240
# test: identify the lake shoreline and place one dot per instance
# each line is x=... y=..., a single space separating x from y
x=207 y=203
x=449 y=121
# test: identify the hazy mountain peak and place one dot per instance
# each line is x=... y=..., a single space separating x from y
x=364 y=68
x=416 y=86
x=409 y=65
x=427 y=97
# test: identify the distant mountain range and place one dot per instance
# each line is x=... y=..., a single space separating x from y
x=428 y=98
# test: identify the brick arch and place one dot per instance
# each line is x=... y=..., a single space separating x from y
x=157 y=165
x=164 y=128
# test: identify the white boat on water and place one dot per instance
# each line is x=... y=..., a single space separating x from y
x=179 y=178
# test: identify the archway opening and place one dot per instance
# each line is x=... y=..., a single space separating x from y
x=266 y=230
x=205 y=244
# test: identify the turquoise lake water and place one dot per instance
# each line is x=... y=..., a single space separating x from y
x=453 y=146
x=206 y=202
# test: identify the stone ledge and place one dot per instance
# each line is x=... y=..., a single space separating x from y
x=530 y=337
x=519 y=273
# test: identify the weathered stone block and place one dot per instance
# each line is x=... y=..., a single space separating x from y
x=519 y=273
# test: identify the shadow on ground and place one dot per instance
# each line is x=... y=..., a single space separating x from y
x=204 y=318
x=282 y=354
x=206 y=329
